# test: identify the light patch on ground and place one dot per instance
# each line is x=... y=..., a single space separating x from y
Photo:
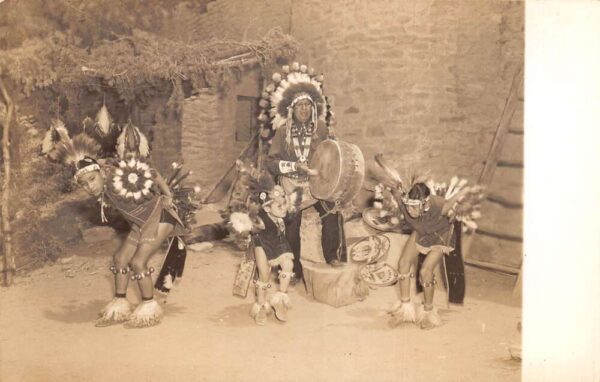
x=207 y=334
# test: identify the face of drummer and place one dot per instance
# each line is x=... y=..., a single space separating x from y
x=303 y=111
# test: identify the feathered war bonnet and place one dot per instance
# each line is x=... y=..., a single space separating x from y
x=296 y=82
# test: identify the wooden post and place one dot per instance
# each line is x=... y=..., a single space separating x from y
x=518 y=288
x=8 y=270
x=223 y=185
x=260 y=157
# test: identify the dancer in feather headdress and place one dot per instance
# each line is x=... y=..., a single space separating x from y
x=272 y=249
x=145 y=200
x=267 y=228
x=431 y=217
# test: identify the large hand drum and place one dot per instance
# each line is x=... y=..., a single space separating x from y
x=341 y=171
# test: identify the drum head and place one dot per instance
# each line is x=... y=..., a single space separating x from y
x=327 y=160
x=378 y=274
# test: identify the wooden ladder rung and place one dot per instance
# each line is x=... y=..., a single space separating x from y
x=504 y=202
x=492 y=266
x=508 y=163
x=493 y=161
x=516 y=131
x=499 y=235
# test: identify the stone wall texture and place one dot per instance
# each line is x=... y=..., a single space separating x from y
x=422 y=81
x=242 y=20
x=208 y=143
x=163 y=128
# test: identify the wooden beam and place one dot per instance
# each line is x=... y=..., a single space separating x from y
x=499 y=235
x=223 y=185
x=493 y=267
x=518 y=288
x=260 y=157
x=8 y=270
x=508 y=163
x=502 y=130
x=504 y=202
x=516 y=131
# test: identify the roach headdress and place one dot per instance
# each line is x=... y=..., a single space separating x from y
x=132 y=142
x=79 y=153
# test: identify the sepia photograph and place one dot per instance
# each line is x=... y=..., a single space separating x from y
x=287 y=190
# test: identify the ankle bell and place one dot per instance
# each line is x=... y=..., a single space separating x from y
x=139 y=276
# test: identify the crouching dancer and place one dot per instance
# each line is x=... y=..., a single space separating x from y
x=431 y=217
x=149 y=210
x=271 y=248
x=145 y=201
x=143 y=198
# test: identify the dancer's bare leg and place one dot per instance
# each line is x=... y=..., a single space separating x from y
x=148 y=313
x=429 y=318
x=261 y=308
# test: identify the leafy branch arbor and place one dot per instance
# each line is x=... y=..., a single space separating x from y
x=131 y=67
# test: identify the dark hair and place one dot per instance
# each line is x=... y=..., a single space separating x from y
x=419 y=191
x=86 y=161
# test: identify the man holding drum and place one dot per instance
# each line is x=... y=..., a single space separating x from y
x=301 y=122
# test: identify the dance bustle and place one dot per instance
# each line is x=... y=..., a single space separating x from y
x=172 y=266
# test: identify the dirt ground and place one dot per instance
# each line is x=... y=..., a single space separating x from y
x=207 y=335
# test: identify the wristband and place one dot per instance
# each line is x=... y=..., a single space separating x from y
x=285 y=167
